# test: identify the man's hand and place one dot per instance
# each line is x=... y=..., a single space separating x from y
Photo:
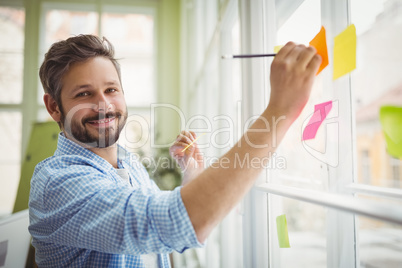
x=190 y=160
x=292 y=75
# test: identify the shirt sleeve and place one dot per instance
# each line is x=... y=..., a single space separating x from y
x=85 y=209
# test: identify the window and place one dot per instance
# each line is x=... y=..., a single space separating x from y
x=324 y=185
x=306 y=237
x=376 y=82
x=301 y=26
x=12 y=27
x=304 y=164
x=12 y=54
x=208 y=99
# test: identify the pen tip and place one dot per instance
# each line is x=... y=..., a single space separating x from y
x=227 y=56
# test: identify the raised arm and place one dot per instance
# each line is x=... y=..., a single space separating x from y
x=215 y=191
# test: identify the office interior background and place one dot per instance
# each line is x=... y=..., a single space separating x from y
x=341 y=192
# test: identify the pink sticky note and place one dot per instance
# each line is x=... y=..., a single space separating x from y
x=320 y=113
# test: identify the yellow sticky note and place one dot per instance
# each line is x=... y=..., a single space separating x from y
x=391 y=121
x=282 y=230
x=277 y=48
x=344 y=52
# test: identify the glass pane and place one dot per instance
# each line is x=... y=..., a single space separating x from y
x=380 y=243
x=12 y=24
x=302 y=25
x=376 y=82
x=138 y=81
x=135 y=136
x=132 y=35
x=43 y=115
x=10 y=142
x=11 y=77
x=307 y=238
x=61 y=24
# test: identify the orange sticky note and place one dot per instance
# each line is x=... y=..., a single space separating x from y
x=320 y=43
x=345 y=52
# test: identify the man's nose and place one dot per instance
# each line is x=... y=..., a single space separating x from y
x=102 y=104
x=103 y=107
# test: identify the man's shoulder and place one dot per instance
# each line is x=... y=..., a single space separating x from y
x=63 y=164
x=65 y=161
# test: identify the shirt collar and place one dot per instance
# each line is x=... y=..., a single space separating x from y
x=66 y=146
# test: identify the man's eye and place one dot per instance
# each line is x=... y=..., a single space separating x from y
x=82 y=94
x=111 y=90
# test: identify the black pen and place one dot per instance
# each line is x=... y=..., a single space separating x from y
x=248 y=56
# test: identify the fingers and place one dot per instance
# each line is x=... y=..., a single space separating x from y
x=186 y=136
x=306 y=55
x=185 y=148
x=296 y=52
x=185 y=143
x=298 y=56
x=314 y=63
x=285 y=50
x=177 y=149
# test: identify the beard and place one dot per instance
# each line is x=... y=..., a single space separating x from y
x=105 y=137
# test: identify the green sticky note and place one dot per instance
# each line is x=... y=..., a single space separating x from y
x=391 y=121
x=282 y=229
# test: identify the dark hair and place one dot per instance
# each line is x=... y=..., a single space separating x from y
x=63 y=54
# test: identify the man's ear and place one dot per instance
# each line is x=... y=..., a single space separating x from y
x=52 y=108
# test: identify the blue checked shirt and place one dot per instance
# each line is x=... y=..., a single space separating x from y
x=82 y=214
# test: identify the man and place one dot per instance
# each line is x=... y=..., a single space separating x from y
x=91 y=205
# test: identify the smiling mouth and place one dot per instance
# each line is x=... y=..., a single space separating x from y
x=103 y=122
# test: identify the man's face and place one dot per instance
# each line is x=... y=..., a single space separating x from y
x=93 y=109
